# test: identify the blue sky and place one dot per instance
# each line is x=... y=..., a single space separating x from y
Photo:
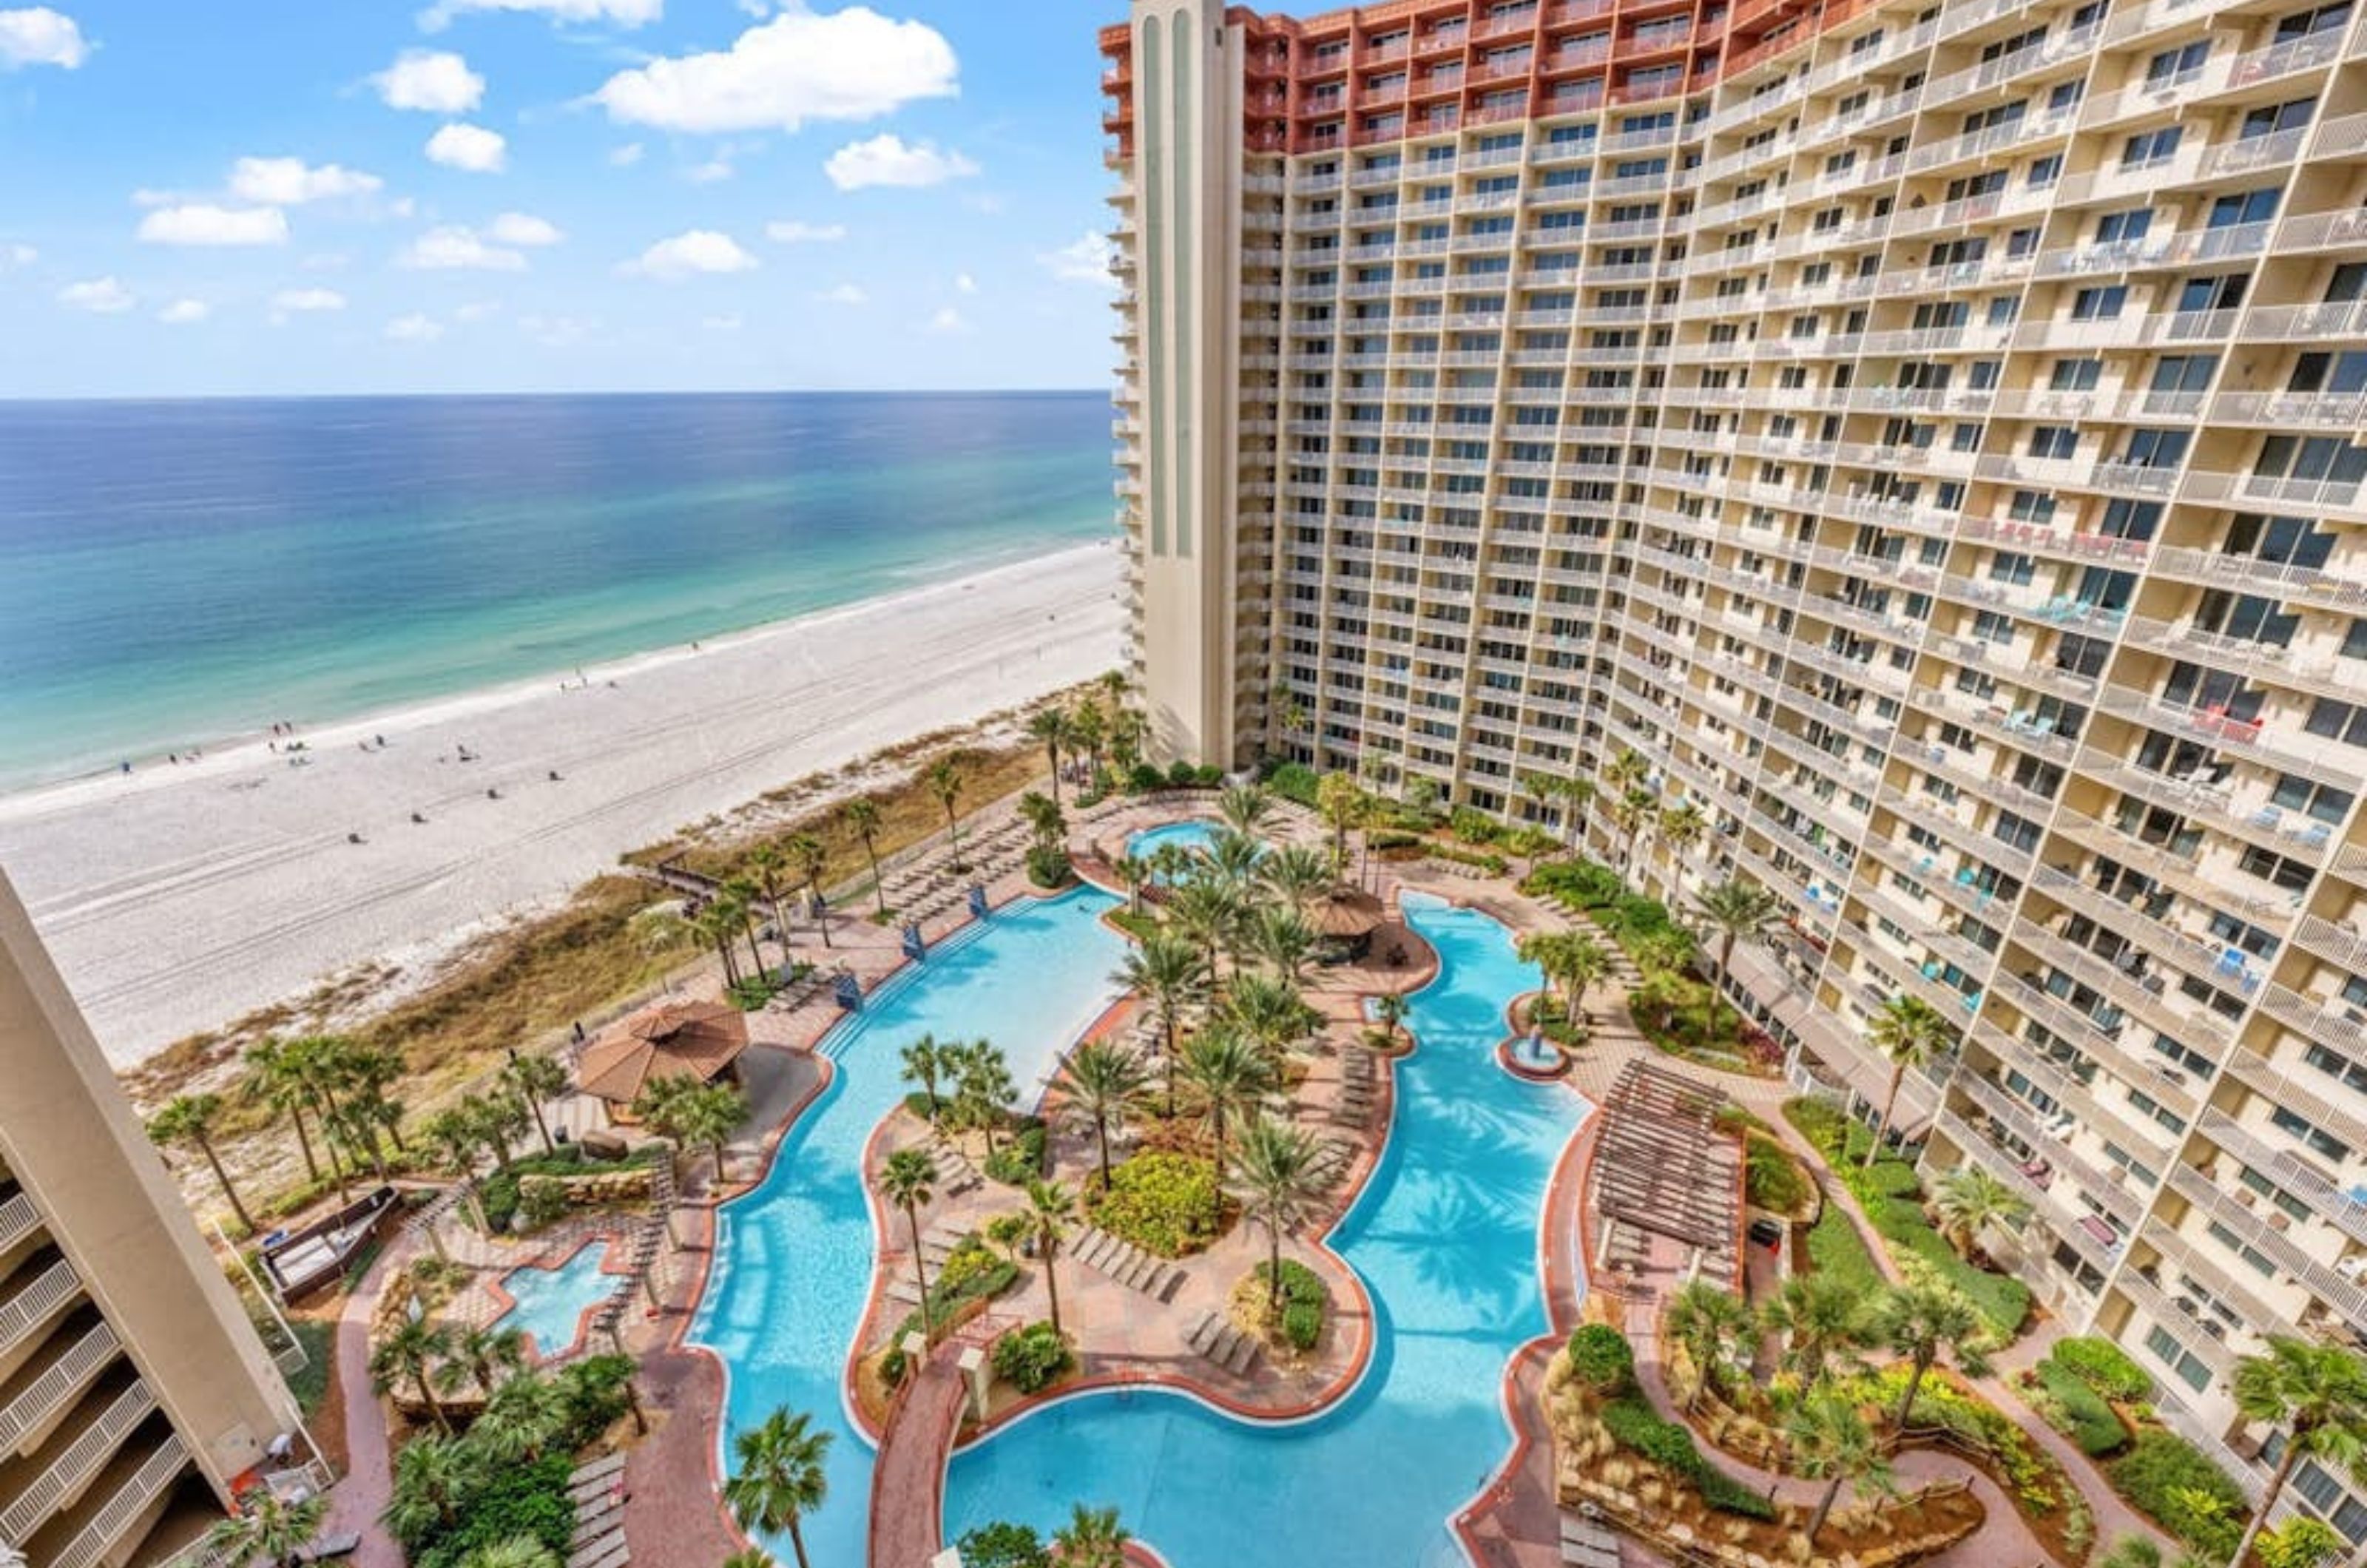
x=275 y=197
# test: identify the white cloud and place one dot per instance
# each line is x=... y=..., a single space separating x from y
x=1087 y=261
x=326 y=261
x=721 y=324
x=290 y=182
x=413 y=327
x=947 y=319
x=307 y=302
x=103 y=295
x=41 y=37
x=850 y=64
x=523 y=229
x=965 y=284
x=470 y=147
x=19 y=255
x=184 y=312
x=451 y=248
x=844 y=294
x=478 y=310
x=689 y=254
x=885 y=160
x=713 y=172
x=789 y=232
x=625 y=157
x=203 y=223
x=433 y=81
x=621 y=13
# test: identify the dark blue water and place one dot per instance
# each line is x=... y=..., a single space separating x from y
x=175 y=572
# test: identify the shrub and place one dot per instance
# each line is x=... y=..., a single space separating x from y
x=1183 y=774
x=1884 y=1178
x=1602 y=1357
x=1029 y=1358
x=541 y=1198
x=1771 y=1179
x=1472 y=826
x=1493 y=864
x=2175 y=1484
x=1294 y=780
x=750 y=995
x=1021 y=1158
x=2078 y=1412
x=1577 y=884
x=1207 y=776
x=1836 y=1248
x=501 y=1501
x=1636 y=1427
x=1302 y=1325
x=1299 y=1283
x=1164 y=1203
x=1822 y=1124
x=2002 y=1299
x=1142 y=778
x=1047 y=865
x=1004 y=1545
x=2102 y=1366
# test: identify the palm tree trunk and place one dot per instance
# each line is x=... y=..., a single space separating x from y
x=718 y=1162
x=1101 y=1130
x=1825 y=1506
x=2268 y=1500
x=1052 y=755
x=1914 y=1387
x=549 y=1148
x=952 y=832
x=798 y=1541
x=1052 y=1280
x=304 y=1141
x=427 y=1392
x=1274 y=1271
x=920 y=1268
x=237 y=1206
x=1881 y=1122
x=878 y=887
x=1167 y=1017
x=336 y=1166
x=730 y=964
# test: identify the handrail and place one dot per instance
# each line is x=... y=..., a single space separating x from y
x=81 y=1460
x=46 y=1394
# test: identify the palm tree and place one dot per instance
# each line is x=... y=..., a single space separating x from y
x=190 y=1118
x=810 y=857
x=740 y=895
x=2318 y=1394
x=1233 y=856
x=1683 y=826
x=1088 y=731
x=1539 y=788
x=1709 y=1323
x=1091 y=1539
x=1167 y=973
x=1389 y=1009
x=454 y=1139
x=1585 y=963
x=751 y=1557
x=986 y=1089
x=1733 y=910
x=270 y=1530
x=409 y=1354
x=1282 y=938
x=518 y=1551
x=521 y=1419
x=270 y=1074
x=1268 y=1009
x=1232 y=1075
x=1244 y=809
x=1581 y=795
x=768 y=867
x=691 y=1113
x=861 y=816
x=1051 y=1212
x=371 y=1072
x=925 y=1062
x=1127 y=731
x=1045 y=819
x=433 y=1475
x=908 y=1180
x=1919 y=1320
x=316 y=1062
x=781 y=1476
x=488 y=1354
x=1818 y=1315
x=1205 y=910
x=719 y=923
x=1295 y=873
x=1132 y=872
x=1103 y=1081
x=1280 y=1173
x=1341 y=802
x=1910 y=1031
x=1829 y=1438
x=498 y=1121
x=1967 y=1200
x=1049 y=728
x=534 y=1078
x=945 y=780
x=1636 y=812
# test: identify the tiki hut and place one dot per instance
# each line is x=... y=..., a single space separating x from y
x=697 y=1040
x=1346 y=917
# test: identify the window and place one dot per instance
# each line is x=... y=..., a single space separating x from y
x=2148 y=148
x=2294 y=1126
x=2172 y=64
x=2102 y=304
x=2057 y=441
x=2074 y=375
x=2116 y=228
x=2244 y=206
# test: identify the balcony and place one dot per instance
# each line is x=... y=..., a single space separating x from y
x=24 y=1314
x=2205 y=1194
x=94 y=1443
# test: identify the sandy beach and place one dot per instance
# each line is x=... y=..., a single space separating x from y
x=179 y=898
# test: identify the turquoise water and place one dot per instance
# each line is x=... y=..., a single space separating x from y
x=793 y=1259
x=175 y=572
x=550 y=1303
x=1445 y=1238
x=1193 y=836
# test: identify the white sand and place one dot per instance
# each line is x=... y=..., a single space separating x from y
x=180 y=898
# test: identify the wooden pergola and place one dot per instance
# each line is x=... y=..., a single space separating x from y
x=1664 y=1168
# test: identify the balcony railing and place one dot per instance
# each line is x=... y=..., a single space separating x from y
x=81 y=1460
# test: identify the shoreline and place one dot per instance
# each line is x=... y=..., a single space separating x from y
x=37 y=796
x=180 y=898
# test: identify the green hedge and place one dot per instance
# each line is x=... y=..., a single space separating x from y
x=513 y=1500
x=2079 y=1412
x=972 y=1271
x=1602 y=1357
x=2102 y=1366
x=2165 y=1477
x=1576 y=885
x=1164 y=1203
x=1836 y=1248
x=1029 y=1358
x=1638 y=1428
x=1021 y=1158
x=1294 y=780
x=2003 y=1300
x=1771 y=1178
x=1304 y=1301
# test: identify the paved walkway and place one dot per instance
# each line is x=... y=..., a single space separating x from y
x=908 y=1474
x=355 y=1502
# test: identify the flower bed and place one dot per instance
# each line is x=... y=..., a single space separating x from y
x=1165 y=1203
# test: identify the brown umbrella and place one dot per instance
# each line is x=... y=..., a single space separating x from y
x=697 y=1040
x=1348 y=913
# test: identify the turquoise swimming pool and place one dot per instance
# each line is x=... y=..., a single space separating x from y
x=1445 y=1238
x=550 y=1303
x=1193 y=834
x=793 y=1259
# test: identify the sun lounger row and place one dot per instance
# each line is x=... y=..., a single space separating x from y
x=1221 y=1343
x=1126 y=1263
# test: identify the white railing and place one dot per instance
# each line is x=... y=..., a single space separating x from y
x=30 y=1307
x=81 y=1460
x=46 y=1394
x=159 y=1470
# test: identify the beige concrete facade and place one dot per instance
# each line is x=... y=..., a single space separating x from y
x=128 y=1372
x=1935 y=446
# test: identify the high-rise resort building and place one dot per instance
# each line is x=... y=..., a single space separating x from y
x=1930 y=434
x=135 y=1397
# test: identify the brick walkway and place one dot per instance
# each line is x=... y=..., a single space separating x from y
x=908 y=1474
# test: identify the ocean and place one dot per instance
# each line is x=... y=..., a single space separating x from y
x=173 y=574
